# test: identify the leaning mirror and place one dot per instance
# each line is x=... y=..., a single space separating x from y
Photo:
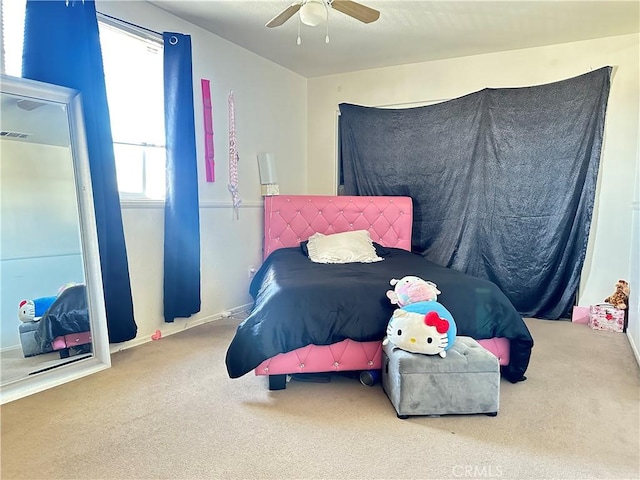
x=53 y=322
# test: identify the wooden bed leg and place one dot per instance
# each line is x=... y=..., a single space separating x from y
x=277 y=382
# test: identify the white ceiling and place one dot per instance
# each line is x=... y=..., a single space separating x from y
x=407 y=32
x=42 y=121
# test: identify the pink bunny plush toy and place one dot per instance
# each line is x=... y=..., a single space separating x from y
x=412 y=289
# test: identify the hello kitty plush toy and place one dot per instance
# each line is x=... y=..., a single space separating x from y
x=30 y=310
x=412 y=289
x=422 y=327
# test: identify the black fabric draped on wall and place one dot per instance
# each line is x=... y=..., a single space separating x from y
x=503 y=181
x=182 y=211
x=62 y=47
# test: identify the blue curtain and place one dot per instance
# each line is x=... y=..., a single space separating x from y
x=62 y=47
x=181 y=214
x=503 y=181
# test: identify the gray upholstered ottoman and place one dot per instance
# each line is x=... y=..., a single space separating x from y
x=27 y=332
x=467 y=380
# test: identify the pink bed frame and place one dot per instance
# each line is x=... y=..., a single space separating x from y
x=63 y=343
x=291 y=219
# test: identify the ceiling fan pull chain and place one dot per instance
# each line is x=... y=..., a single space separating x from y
x=299 y=40
x=326 y=6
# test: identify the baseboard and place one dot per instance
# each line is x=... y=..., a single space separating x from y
x=10 y=348
x=179 y=326
x=634 y=347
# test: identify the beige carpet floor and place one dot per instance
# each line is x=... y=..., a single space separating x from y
x=167 y=409
x=14 y=366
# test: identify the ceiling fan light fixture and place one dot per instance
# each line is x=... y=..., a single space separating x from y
x=313 y=13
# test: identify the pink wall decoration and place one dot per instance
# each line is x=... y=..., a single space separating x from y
x=207 y=108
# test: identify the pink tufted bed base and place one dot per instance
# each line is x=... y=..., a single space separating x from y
x=291 y=219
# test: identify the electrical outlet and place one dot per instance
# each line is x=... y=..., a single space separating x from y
x=251 y=272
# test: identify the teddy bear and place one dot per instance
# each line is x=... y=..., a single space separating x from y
x=412 y=289
x=619 y=298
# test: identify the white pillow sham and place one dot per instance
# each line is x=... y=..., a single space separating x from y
x=345 y=247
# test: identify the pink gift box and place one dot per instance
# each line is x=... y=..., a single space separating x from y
x=606 y=317
x=580 y=315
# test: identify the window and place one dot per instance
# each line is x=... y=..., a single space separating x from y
x=134 y=80
x=12 y=36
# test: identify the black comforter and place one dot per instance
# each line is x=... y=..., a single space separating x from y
x=68 y=314
x=299 y=302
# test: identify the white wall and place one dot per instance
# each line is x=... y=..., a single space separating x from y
x=40 y=249
x=281 y=112
x=633 y=331
x=271 y=115
x=609 y=250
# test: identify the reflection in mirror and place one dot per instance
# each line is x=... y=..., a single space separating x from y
x=53 y=326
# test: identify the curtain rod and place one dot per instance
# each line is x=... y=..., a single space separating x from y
x=119 y=20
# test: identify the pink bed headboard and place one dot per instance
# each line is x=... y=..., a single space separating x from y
x=291 y=219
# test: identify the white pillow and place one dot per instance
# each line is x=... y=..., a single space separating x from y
x=346 y=247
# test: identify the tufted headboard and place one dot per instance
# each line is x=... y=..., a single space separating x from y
x=291 y=219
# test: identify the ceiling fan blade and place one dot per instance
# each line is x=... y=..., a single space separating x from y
x=284 y=15
x=356 y=10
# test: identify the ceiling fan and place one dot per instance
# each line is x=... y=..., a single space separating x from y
x=313 y=12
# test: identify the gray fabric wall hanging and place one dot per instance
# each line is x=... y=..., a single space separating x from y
x=503 y=181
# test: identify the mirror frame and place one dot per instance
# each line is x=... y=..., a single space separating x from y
x=101 y=358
